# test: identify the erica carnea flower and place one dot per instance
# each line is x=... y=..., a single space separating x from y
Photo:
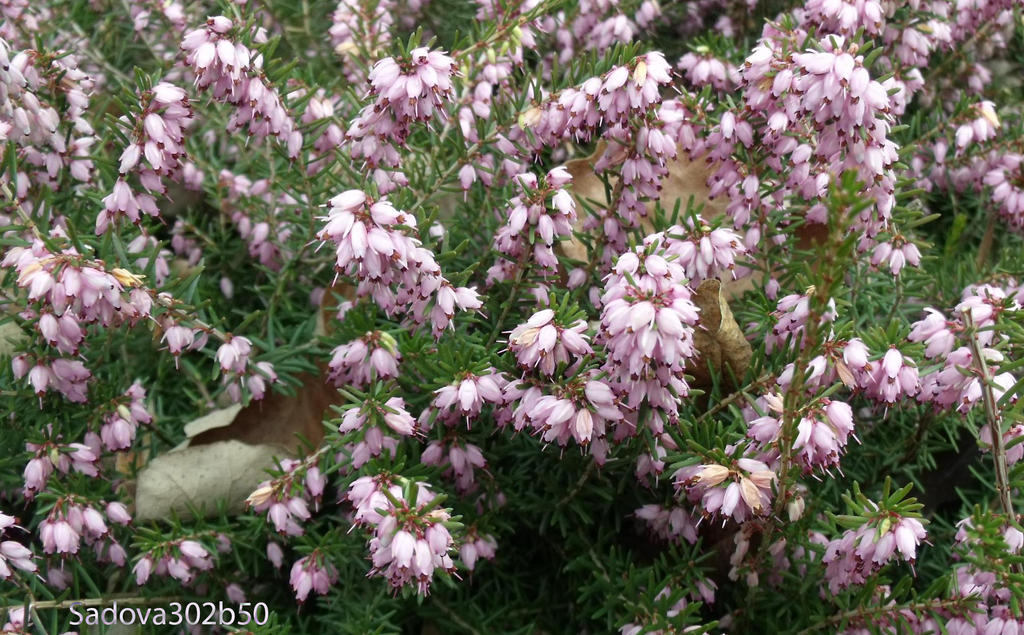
x=704 y=252
x=542 y=343
x=284 y=498
x=156 y=150
x=14 y=555
x=465 y=397
x=582 y=408
x=182 y=560
x=413 y=89
x=119 y=426
x=669 y=523
x=312 y=573
x=476 y=547
x=358 y=362
x=63 y=458
x=372 y=245
x=233 y=73
x=791 y=320
x=861 y=552
x=538 y=216
x=373 y=425
x=739 y=492
x=461 y=459
x=410 y=538
x=647 y=325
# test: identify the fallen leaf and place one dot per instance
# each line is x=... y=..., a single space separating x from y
x=277 y=419
x=229 y=450
x=201 y=476
x=685 y=179
x=724 y=351
x=215 y=419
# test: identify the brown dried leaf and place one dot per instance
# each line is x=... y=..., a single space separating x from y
x=718 y=338
x=277 y=419
x=685 y=179
x=229 y=450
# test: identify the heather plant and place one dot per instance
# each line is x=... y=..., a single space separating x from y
x=513 y=316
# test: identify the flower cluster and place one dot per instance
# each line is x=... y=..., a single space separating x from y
x=312 y=573
x=791 y=321
x=358 y=25
x=861 y=552
x=405 y=91
x=956 y=384
x=476 y=547
x=373 y=246
x=284 y=497
x=703 y=252
x=461 y=459
x=179 y=559
x=538 y=216
x=44 y=101
x=71 y=521
x=542 y=343
x=16 y=555
x=465 y=398
x=647 y=322
x=740 y=492
x=233 y=74
x=583 y=408
x=357 y=363
x=372 y=422
x=669 y=523
x=410 y=537
x=822 y=434
x=120 y=425
x=158 y=139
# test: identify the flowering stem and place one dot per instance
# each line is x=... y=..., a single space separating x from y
x=994 y=419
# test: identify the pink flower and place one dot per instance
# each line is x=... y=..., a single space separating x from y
x=936 y=333
x=476 y=546
x=462 y=460
x=669 y=523
x=543 y=343
x=466 y=397
x=410 y=541
x=860 y=553
x=647 y=324
x=704 y=252
x=893 y=376
x=142 y=570
x=233 y=354
x=118 y=513
x=312 y=573
x=541 y=214
x=372 y=245
x=358 y=362
x=739 y=492
x=12 y=553
x=233 y=74
x=275 y=554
